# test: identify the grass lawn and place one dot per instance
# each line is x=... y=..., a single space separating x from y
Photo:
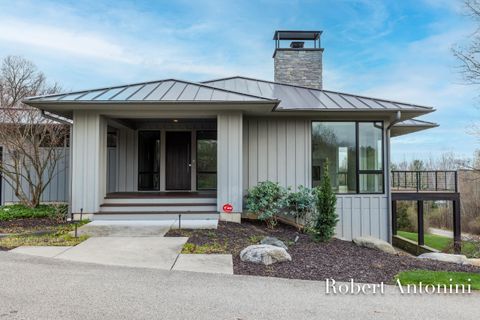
x=439 y=277
x=442 y=243
x=60 y=237
x=433 y=241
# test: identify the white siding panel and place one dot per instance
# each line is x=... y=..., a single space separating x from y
x=230 y=166
x=278 y=152
x=281 y=153
x=57 y=189
x=272 y=151
x=262 y=147
x=126 y=160
x=252 y=144
x=362 y=215
x=89 y=161
x=290 y=150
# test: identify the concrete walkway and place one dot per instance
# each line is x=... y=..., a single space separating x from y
x=133 y=244
x=143 y=252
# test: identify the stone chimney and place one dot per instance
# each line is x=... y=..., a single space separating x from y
x=301 y=63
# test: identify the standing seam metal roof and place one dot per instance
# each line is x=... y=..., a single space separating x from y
x=302 y=98
x=162 y=91
x=233 y=89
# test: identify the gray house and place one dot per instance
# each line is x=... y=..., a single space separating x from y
x=151 y=150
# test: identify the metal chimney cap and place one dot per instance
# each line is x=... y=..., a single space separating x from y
x=296 y=35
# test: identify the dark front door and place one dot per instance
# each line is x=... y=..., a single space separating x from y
x=178 y=164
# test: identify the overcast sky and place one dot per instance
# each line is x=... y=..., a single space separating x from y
x=399 y=50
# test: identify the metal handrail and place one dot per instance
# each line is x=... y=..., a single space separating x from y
x=424 y=180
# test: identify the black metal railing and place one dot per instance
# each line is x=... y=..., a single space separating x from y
x=424 y=181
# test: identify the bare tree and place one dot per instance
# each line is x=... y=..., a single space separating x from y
x=469 y=55
x=32 y=144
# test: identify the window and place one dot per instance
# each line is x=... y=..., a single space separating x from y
x=206 y=160
x=354 y=151
x=335 y=142
x=112 y=139
x=370 y=140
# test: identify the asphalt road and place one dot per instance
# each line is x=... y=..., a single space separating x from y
x=43 y=288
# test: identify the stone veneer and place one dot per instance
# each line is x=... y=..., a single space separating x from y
x=302 y=67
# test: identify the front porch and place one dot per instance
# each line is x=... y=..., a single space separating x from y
x=155 y=168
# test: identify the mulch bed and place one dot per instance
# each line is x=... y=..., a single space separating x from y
x=27 y=225
x=337 y=259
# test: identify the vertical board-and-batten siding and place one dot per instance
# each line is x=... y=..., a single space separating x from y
x=362 y=215
x=56 y=191
x=89 y=161
x=229 y=155
x=127 y=159
x=277 y=150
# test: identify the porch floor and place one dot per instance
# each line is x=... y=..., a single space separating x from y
x=166 y=194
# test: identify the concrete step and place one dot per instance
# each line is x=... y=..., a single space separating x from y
x=173 y=216
x=158 y=207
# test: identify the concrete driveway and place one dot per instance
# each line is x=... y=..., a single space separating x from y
x=42 y=288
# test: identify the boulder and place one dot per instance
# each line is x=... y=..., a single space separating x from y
x=445 y=257
x=474 y=262
x=274 y=242
x=264 y=253
x=374 y=243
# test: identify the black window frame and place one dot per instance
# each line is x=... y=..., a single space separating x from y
x=358 y=172
x=205 y=171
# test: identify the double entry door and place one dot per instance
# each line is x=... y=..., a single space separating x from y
x=178 y=162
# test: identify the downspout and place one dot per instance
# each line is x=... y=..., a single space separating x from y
x=397 y=119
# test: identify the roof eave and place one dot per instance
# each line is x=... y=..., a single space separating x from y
x=404 y=130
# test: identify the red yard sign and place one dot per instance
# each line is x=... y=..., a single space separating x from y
x=227 y=208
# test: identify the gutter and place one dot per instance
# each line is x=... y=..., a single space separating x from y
x=398 y=118
x=54 y=118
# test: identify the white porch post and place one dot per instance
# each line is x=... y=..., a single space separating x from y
x=89 y=161
x=230 y=164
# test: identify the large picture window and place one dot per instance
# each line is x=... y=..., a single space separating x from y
x=354 y=151
x=206 y=160
x=335 y=142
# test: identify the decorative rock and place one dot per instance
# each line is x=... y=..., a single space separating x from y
x=474 y=262
x=445 y=257
x=374 y=243
x=274 y=242
x=264 y=253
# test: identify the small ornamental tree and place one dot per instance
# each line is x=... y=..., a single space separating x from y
x=266 y=199
x=323 y=227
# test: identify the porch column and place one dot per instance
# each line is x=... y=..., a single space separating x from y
x=230 y=164
x=89 y=161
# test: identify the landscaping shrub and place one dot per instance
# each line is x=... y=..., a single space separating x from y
x=301 y=204
x=326 y=218
x=266 y=199
x=19 y=211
